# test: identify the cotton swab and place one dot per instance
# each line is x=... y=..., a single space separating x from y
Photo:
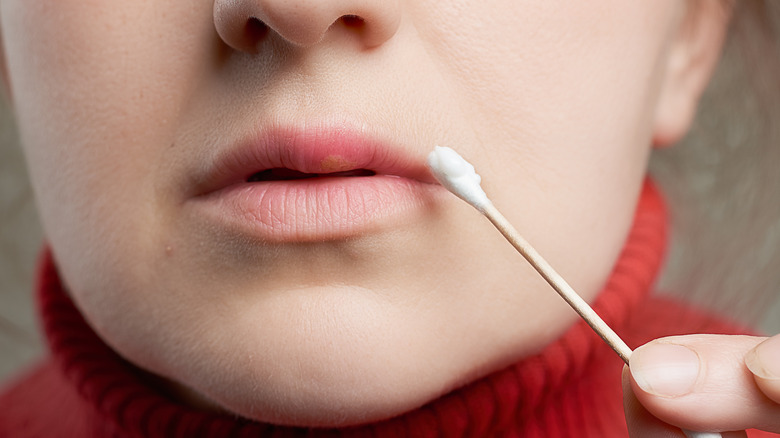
x=459 y=177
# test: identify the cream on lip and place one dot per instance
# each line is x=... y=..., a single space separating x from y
x=301 y=148
x=389 y=183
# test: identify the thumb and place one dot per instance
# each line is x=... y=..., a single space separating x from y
x=642 y=424
x=701 y=382
x=764 y=362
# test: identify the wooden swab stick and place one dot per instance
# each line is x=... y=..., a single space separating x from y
x=558 y=283
x=460 y=178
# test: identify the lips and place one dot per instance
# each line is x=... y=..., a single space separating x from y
x=298 y=185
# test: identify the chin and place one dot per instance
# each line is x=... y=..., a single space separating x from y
x=325 y=392
x=333 y=406
x=323 y=358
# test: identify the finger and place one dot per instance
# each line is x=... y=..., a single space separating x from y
x=642 y=424
x=701 y=382
x=764 y=362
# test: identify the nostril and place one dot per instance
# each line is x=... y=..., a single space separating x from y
x=352 y=21
x=255 y=29
x=247 y=25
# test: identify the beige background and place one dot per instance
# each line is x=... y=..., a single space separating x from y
x=20 y=238
x=722 y=182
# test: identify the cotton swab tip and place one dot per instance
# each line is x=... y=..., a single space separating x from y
x=458 y=176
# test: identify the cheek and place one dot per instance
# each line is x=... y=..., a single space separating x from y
x=527 y=68
x=567 y=99
x=97 y=90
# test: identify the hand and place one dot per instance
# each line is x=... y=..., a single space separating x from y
x=703 y=383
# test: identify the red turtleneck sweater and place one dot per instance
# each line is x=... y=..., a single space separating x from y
x=571 y=389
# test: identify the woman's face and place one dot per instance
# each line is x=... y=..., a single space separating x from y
x=235 y=191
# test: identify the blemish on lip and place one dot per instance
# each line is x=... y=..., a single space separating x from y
x=336 y=163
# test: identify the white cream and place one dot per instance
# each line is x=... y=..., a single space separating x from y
x=458 y=176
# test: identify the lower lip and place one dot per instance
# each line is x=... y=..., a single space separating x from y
x=316 y=209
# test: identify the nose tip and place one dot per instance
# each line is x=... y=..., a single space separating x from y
x=242 y=24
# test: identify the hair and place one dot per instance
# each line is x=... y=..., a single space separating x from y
x=722 y=182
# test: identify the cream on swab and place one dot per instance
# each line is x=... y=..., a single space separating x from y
x=459 y=177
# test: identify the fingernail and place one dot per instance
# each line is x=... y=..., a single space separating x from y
x=666 y=370
x=764 y=359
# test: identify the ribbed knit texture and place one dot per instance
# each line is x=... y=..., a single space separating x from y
x=571 y=389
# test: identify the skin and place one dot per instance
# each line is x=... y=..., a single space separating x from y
x=738 y=382
x=118 y=103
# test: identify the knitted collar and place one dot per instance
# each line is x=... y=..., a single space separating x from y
x=125 y=403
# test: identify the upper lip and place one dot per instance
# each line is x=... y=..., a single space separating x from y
x=319 y=150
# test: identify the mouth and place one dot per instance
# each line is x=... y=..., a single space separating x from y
x=284 y=174
x=297 y=185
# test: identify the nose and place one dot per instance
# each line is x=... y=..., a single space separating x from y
x=242 y=24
